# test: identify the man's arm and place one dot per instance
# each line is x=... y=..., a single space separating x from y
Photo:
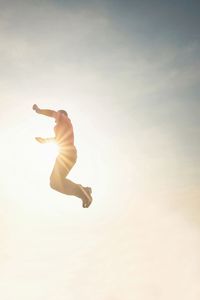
x=45 y=140
x=46 y=112
x=50 y=140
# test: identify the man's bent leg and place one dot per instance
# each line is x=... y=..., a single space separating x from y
x=66 y=186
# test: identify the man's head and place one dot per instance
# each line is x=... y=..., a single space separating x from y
x=63 y=112
x=61 y=115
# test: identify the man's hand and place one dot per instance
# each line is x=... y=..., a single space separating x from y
x=40 y=140
x=36 y=108
x=45 y=112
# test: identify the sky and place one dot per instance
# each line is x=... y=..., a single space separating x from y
x=127 y=72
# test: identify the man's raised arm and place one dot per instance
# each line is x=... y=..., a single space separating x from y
x=46 y=112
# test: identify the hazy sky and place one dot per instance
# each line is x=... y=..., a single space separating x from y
x=128 y=74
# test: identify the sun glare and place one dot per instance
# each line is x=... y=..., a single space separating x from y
x=52 y=150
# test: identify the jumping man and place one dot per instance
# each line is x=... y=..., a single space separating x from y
x=64 y=137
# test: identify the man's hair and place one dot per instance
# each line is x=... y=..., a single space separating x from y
x=63 y=112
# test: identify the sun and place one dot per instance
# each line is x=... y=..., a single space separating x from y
x=51 y=150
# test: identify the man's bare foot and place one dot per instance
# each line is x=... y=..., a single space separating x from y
x=87 y=197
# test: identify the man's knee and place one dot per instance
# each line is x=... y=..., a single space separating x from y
x=53 y=183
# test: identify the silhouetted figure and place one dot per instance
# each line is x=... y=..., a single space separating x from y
x=64 y=137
